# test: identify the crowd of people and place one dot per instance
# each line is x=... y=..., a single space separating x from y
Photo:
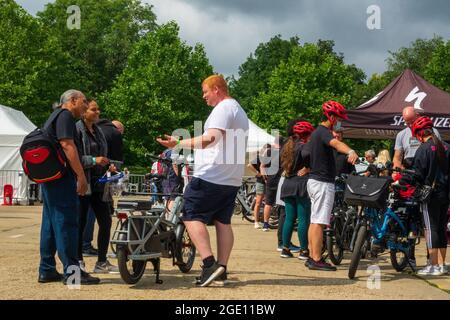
x=310 y=160
x=301 y=169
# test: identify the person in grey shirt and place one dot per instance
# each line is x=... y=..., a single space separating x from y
x=405 y=144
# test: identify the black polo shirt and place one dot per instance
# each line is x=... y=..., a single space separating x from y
x=323 y=165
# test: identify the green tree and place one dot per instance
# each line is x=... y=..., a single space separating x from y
x=159 y=90
x=415 y=57
x=255 y=72
x=299 y=86
x=24 y=54
x=437 y=71
x=96 y=53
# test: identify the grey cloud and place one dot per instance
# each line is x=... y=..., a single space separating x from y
x=236 y=27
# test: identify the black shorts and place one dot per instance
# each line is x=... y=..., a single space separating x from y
x=270 y=194
x=206 y=202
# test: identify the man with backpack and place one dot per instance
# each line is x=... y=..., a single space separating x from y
x=59 y=230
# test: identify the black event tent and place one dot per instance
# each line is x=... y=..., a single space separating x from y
x=381 y=116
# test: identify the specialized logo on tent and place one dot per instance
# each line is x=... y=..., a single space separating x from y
x=415 y=94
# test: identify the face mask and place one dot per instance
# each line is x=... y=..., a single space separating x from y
x=337 y=126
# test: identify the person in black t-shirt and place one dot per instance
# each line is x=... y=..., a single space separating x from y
x=113 y=131
x=431 y=167
x=321 y=179
x=59 y=230
x=271 y=173
x=260 y=188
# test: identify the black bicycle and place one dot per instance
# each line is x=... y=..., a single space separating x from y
x=342 y=225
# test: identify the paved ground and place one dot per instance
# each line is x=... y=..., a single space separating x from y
x=256 y=272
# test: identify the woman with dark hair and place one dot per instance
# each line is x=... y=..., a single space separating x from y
x=294 y=161
x=431 y=166
x=94 y=159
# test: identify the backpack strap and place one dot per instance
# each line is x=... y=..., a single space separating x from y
x=52 y=119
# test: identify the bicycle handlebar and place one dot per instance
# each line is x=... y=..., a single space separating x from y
x=106 y=179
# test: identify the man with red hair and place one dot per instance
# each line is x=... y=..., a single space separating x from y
x=219 y=167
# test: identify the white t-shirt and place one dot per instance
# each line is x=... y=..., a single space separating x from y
x=224 y=162
x=408 y=144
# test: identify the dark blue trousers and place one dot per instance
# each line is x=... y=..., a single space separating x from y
x=59 y=230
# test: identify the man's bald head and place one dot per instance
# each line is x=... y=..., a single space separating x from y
x=409 y=115
x=118 y=125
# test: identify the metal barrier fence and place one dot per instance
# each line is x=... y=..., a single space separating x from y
x=136 y=183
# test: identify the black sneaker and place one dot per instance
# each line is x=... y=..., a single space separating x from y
x=308 y=262
x=90 y=252
x=210 y=274
x=321 y=265
x=221 y=280
x=286 y=253
x=304 y=255
x=51 y=277
x=85 y=279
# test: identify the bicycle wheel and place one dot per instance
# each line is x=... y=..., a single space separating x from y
x=131 y=271
x=356 y=255
x=184 y=249
x=334 y=243
x=399 y=258
x=274 y=217
x=250 y=199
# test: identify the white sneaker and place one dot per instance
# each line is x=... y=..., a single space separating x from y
x=82 y=266
x=257 y=225
x=443 y=268
x=105 y=267
x=430 y=270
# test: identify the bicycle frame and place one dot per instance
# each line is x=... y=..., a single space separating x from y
x=152 y=218
x=380 y=230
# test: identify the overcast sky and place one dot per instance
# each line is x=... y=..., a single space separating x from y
x=232 y=29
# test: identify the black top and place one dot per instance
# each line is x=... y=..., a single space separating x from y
x=323 y=166
x=273 y=168
x=257 y=165
x=426 y=167
x=96 y=171
x=342 y=165
x=114 y=139
x=64 y=127
x=172 y=179
x=295 y=186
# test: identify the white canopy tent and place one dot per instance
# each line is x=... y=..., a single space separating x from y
x=257 y=137
x=14 y=126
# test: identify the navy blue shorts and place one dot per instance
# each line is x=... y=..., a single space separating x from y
x=206 y=202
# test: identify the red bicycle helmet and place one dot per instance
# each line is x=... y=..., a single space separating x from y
x=334 y=108
x=303 y=128
x=421 y=124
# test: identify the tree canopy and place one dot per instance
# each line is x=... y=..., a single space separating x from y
x=159 y=90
